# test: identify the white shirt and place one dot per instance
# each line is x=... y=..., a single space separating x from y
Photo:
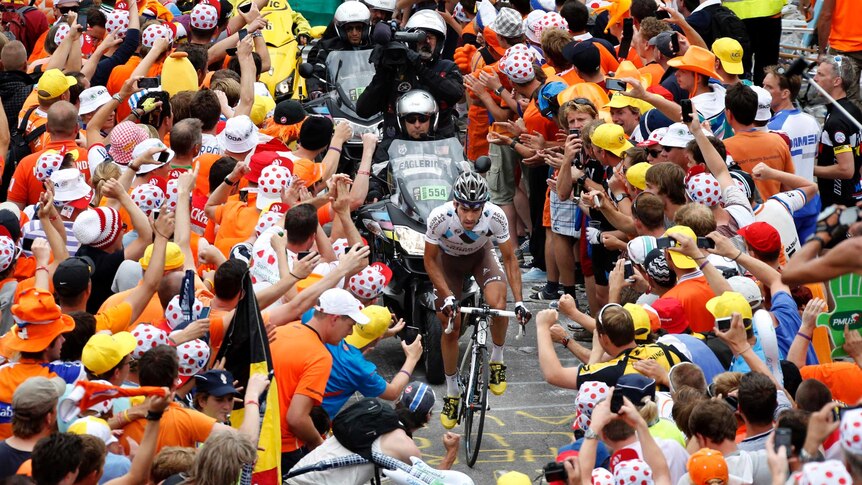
x=445 y=229
x=347 y=475
x=777 y=211
x=737 y=205
x=210 y=144
x=674 y=453
x=804 y=133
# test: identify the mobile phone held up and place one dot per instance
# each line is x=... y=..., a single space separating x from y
x=628 y=270
x=687 y=115
x=149 y=83
x=783 y=437
x=616 y=85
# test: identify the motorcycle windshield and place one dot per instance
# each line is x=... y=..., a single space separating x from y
x=352 y=71
x=423 y=173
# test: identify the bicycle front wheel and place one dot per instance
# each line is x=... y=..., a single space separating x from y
x=475 y=403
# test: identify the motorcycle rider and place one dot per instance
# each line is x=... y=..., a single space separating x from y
x=381 y=10
x=422 y=68
x=352 y=21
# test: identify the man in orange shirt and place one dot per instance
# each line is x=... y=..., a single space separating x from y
x=302 y=364
x=692 y=289
x=839 y=29
x=62 y=125
x=749 y=146
x=53 y=87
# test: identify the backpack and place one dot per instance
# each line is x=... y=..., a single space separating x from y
x=25 y=23
x=19 y=147
x=725 y=23
x=358 y=425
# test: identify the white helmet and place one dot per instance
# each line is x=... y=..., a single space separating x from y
x=416 y=101
x=428 y=20
x=352 y=12
x=385 y=5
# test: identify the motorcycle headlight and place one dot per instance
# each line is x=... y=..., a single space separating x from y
x=284 y=86
x=412 y=242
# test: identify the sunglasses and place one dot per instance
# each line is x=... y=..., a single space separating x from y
x=356 y=27
x=65 y=10
x=600 y=326
x=471 y=206
x=415 y=117
x=654 y=153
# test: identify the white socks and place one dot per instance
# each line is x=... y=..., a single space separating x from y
x=497 y=353
x=452 y=386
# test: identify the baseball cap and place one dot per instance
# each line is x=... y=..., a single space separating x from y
x=761 y=236
x=418 y=397
x=262 y=107
x=93 y=426
x=239 y=135
x=174 y=258
x=92 y=99
x=745 y=182
x=850 y=431
x=677 y=135
x=671 y=315
x=662 y=42
x=261 y=160
x=620 y=100
x=337 y=301
x=204 y=16
x=636 y=387
x=103 y=351
x=308 y=171
x=508 y=23
x=764 y=104
x=379 y=319
x=729 y=52
x=272 y=181
x=654 y=138
x=611 y=137
x=289 y=112
x=514 y=478
x=728 y=303
x=54 y=83
x=369 y=282
x=72 y=276
x=584 y=55
x=639 y=247
x=705 y=465
x=656 y=267
x=641 y=320
x=680 y=260
x=36 y=396
x=636 y=175
x=215 y=382
x=747 y=288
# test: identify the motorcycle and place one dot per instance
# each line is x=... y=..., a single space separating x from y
x=348 y=74
x=420 y=177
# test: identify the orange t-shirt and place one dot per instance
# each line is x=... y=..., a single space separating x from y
x=842 y=378
x=693 y=293
x=302 y=365
x=12 y=375
x=752 y=147
x=119 y=75
x=179 y=426
x=25 y=188
x=236 y=220
x=39 y=49
x=846 y=33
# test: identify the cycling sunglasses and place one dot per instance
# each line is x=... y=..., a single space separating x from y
x=410 y=119
x=471 y=205
x=600 y=326
x=582 y=101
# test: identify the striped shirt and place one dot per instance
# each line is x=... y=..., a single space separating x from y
x=33 y=230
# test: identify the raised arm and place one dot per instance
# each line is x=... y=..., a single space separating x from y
x=247 y=76
x=219 y=196
x=139 y=473
x=716 y=165
x=140 y=221
x=141 y=295
x=97 y=122
x=553 y=371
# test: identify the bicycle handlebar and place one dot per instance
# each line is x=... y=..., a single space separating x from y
x=467 y=310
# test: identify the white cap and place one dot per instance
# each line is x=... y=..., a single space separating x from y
x=747 y=288
x=639 y=247
x=337 y=301
x=93 y=426
x=677 y=136
x=145 y=145
x=239 y=135
x=93 y=99
x=764 y=104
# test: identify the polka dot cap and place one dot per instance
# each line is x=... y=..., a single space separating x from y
x=265 y=221
x=148 y=337
x=340 y=247
x=193 y=356
x=369 y=282
x=601 y=476
x=588 y=396
x=172 y=193
x=517 y=64
x=633 y=472
x=154 y=32
x=830 y=472
x=48 y=163
x=7 y=252
x=851 y=431
x=597 y=4
x=117 y=23
x=148 y=197
x=703 y=188
x=204 y=17
x=273 y=179
x=174 y=313
x=62 y=32
x=551 y=20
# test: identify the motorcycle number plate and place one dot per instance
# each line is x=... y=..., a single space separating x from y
x=434 y=192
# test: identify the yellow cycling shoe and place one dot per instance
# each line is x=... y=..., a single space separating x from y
x=497 y=382
x=449 y=415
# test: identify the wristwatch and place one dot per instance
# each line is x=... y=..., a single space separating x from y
x=589 y=434
x=499 y=91
x=117 y=97
x=228 y=182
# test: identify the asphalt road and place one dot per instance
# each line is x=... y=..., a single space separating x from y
x=523 y=428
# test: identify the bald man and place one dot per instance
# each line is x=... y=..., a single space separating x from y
x=62 y=128
x=13 y=57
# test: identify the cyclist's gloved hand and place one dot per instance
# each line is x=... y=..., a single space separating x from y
x=524 y=315
x=594 y=236
x=450 y=304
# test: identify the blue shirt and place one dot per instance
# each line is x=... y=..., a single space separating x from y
x=350 y=373
x=115 y=466
x=701 y=355
x=789 y=321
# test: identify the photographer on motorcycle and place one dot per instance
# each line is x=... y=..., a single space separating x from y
x=401 y=68
x=352 y=21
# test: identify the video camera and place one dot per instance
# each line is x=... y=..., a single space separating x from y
x=391 y=44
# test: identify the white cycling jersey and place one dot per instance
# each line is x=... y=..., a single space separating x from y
x=445 y=229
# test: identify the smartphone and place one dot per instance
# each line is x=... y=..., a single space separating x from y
x=662 y=15
x=245 y=8
x=687 y=115
x=616 y=85
x=242 y=33
x=205 y=313
x=575 y=131
x=596 y=201
x=149 y=83
x=783 y=438
x=617 y=401
x=674 y=42
x=628 y=270
x=303 y=254
x=164 y=157
x=705 y=243
x=27 y=244
x=723 y=324
x=555 y=472
x=665 y=242
x=628 y=28
x=576 y=190
x=441 y=6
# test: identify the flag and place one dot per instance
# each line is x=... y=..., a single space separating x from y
x=86 y=394
x=246 y=352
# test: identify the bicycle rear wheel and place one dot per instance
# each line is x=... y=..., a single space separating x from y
x=475 y=402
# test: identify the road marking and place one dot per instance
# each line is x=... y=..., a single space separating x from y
x=552 y=420
x=541 y=406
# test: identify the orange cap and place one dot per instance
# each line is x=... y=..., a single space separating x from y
x=308 y=171
x=705 y=465
x=38 y=322
x=696 y=59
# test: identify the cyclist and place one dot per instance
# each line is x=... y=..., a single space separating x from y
x=459 y=243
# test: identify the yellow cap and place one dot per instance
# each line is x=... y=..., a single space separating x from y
x=103 y=351
x=729 y=52
x=379 y=320
x=636 y=175
x=680 y=260
x=640 y=317
x=514 y=478
x=728 y=303
x=612 y=138
x=54 y=83
x=263 y=105
x=174 y=258
x=178 y=74
x=620 y=100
